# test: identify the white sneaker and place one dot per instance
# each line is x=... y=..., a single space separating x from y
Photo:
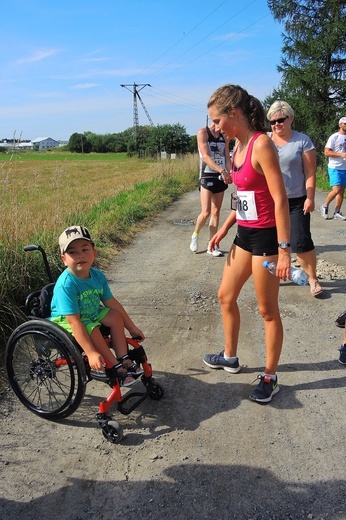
x=194 y=243
x=215 y=252
x=339 y=216
x=324 y=211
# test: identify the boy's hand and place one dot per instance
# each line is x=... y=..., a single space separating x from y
x=96 y=361
x=137 y=334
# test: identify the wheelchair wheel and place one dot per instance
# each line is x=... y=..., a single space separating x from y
x=113 y=432
x=155 y=391
x=45 y=369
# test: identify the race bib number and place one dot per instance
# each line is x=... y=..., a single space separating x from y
x=246 y=205
x=220 y=161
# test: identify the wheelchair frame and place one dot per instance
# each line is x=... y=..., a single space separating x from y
x=48 y=371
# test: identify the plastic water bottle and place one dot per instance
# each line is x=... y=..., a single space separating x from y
x=297 y=276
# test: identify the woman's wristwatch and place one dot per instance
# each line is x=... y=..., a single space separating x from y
x=284 y=245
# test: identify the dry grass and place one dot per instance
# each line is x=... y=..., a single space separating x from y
x=42 y=195
x=39 y=195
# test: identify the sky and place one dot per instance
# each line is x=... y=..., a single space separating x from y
x=63 y=63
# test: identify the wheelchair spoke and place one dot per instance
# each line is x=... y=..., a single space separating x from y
x=43 y=370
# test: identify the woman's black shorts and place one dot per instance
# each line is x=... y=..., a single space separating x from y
x=258 y=241
x=212 y=184
x=301 y=241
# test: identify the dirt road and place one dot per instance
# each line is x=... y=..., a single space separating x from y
x=205 y=451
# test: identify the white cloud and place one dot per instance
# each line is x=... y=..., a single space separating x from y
x=85 y=85
x=38 y=56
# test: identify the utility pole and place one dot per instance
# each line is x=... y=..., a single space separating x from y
x=135 y=91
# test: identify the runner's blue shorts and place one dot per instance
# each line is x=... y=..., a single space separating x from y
x=337 y=177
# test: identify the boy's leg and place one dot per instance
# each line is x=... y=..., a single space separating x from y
x=101 y=346
x=114 y=321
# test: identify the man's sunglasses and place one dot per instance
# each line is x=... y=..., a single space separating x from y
x=281 y=120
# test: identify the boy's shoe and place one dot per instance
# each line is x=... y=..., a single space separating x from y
x=324 y=211
x=218 y=361
x=133 y=369
x=194 y=243
x=265 y=389
x=99 y=375
x=124 y=377
x=340 y=320
x=342 y=357
x=215 y=252
x=339 y=216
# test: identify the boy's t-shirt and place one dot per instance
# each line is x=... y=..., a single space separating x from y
x=73 y=295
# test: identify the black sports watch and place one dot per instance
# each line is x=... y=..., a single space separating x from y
x=284 y=245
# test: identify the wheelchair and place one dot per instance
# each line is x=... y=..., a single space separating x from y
x=48 y=371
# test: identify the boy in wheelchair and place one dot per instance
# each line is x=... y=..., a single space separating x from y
x=76 y=306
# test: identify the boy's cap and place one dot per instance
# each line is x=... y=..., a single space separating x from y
x=73 y=233
x=342 y=120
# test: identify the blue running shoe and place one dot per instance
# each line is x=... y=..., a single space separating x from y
x=342 y=357
x=266 y=388
x=218 y=361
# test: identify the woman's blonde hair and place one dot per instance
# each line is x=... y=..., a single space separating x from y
x=280 y=106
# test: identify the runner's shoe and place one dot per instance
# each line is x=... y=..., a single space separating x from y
x=266 y=388
x=342 y=357
x=339 y=216
x=194 y=243
x=218 y=361
x=324 y=211
x=215 y=252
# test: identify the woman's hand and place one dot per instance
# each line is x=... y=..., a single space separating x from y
x=283 y=264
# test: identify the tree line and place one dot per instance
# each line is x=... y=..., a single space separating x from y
x=144 y=141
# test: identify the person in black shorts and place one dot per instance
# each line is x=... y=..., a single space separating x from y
x=214 y=155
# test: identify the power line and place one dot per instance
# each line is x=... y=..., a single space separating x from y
x=135 y=91
x=208 y=35
x=185 y=35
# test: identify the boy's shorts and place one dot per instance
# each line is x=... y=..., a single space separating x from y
x=89 y=324
x=337 y=177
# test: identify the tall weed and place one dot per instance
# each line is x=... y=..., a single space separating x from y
x=40 y=198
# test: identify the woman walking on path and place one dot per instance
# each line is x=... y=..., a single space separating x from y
x=263 y=231
x=214 y=156
x=298 y=165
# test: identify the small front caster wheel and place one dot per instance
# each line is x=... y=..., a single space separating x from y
x=113 y=432
x=156 y=392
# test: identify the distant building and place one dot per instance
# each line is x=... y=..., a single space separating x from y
x=44 y=143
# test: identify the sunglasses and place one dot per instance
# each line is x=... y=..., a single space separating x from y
x=281 y=120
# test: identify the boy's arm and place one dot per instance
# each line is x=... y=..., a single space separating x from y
x=96 y=360
x=135 y=332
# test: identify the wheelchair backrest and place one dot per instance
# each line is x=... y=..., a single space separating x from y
x=45 y=298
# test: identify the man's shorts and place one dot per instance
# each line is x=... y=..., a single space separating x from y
x=212 y=184
x=258 y=241
x=337 y=177
x=301 y=241
x=90 y=324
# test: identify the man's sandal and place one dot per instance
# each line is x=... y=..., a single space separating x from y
x=315 y=288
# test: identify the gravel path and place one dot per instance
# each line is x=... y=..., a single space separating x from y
x=205 y=451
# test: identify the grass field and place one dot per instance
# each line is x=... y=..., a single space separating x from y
x=43 y=193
